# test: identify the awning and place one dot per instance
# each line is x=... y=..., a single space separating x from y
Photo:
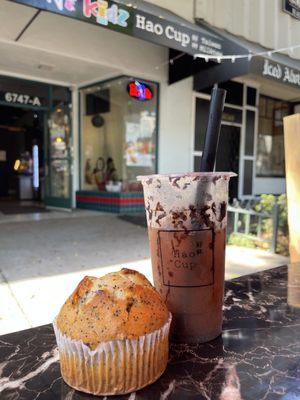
x=276 y=67
x=142 y=20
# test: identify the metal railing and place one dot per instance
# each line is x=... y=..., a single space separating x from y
x=242 y=228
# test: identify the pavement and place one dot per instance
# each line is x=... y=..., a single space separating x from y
x=43 y=256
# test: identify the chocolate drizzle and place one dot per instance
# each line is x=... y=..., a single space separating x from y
x=149 y=181
x=158 y=186
x=149 y=211
x=161 y=216
x=223 y=209
x=174 y=183
x=159 y=207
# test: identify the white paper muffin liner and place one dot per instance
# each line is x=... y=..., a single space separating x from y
x=116 y=366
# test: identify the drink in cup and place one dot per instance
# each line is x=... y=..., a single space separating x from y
x=186 y=217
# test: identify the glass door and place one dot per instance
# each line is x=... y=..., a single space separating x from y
x=58 y=160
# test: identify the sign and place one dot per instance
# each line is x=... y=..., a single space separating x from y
x=170 y=31
x=139 y=91
x=277 y=71
x=187 y=258
x=268 y=68
x=20 y=98
x=292 y=7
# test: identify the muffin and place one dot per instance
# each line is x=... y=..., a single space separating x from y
x=112 y=334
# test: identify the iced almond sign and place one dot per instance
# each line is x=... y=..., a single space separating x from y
x=186 y=216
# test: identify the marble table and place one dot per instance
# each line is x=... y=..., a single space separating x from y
x=257 y=357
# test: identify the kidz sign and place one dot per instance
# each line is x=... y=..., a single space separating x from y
x=104 y=14
x=125 y=18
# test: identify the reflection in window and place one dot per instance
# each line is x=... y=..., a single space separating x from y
x=250 y=131
x=202 y=111
x=59 y=124
x=270 y=144
x=248 y=169
x=118 y=134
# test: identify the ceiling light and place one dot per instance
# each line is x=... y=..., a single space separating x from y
x=17 y=165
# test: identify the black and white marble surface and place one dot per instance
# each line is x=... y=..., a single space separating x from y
x=257 y=357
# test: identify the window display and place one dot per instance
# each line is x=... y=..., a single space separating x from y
x=270 y=144
x=118 y=133
x=59 y=147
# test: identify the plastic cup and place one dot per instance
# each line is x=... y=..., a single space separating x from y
x=187 y=218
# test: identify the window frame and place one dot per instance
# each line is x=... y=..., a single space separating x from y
x=265 y=116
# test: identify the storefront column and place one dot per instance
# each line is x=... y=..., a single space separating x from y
x=75 y=146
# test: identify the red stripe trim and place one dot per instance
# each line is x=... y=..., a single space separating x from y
x=110 y=200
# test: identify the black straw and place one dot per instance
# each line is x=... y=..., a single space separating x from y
x=213 y=129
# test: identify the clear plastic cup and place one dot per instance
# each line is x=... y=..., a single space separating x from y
x=187 y=218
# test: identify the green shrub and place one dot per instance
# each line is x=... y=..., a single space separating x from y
x=238 y=240
x=265 y=204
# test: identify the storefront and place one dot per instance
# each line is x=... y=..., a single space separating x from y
x=261 y=90
x=35 y=142
x=121 y=117
x=134 y=99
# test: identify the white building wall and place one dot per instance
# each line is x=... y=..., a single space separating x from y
x=260 y=21
x=176 y=127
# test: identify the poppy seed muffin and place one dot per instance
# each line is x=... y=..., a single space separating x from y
x=112 y=334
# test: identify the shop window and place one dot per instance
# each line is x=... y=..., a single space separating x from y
x=59 y=145
x=118 y=133
x=248 y=177
x=270 y=143
x=250 y=132
x=232 y=115
x=251 y=96
x=234 y=92
x=202 y=110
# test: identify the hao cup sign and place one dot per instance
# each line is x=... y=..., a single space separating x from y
x=186 y=217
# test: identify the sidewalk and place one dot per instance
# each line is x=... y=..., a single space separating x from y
x=43 y=257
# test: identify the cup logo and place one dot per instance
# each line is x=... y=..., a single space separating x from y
x=187 y=257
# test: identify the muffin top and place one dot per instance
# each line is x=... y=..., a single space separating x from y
x=119 y=305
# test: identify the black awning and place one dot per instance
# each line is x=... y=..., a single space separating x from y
x=219 y=73
x=142 y=20
x=277 y=67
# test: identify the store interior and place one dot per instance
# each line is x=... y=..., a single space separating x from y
x=118 y=134
x=21 y=159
